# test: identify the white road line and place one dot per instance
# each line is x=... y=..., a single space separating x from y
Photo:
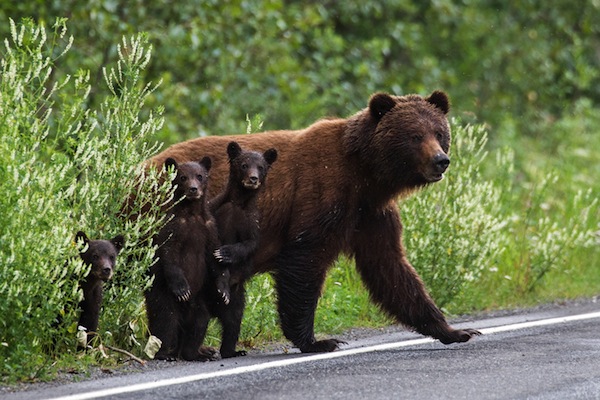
x=309 y=358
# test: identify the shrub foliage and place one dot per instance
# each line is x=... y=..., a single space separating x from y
x=65 y=168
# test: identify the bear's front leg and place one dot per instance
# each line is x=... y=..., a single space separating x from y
x=177 y=283
x=393 y=282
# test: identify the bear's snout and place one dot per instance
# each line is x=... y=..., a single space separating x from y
x=252 y=181
x=441 y=162
x=194 y=192
x=107 y=273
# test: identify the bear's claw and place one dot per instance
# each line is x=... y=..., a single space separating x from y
x=183 y=295
x=223 y=255
x=224 y=295
x=460 y=336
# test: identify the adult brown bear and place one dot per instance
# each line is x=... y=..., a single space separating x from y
x=334 y=190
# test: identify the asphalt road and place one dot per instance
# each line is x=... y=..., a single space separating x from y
x=552 y=353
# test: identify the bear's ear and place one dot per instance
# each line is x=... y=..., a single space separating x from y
x=381 y=103
x=170 y=162
x=440 y=100
x=233 y=150
x=81 y=237
x=207 y=162
x=119 y=242
x=270 y=156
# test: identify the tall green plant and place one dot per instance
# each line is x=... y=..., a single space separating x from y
x=453 y=230
x=463 y=231
x=67 y=168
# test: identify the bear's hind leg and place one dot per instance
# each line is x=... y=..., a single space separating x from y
x=298 y=294
x=193 y=332
x=231 y=319
x=164 y=318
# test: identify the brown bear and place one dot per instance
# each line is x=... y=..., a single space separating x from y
x=176 y=311
x=336 y=191
x=100 y=256
x=236 y=213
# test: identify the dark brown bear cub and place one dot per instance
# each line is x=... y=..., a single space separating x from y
x=101 y=256
x=177 y=314
x=237 y=218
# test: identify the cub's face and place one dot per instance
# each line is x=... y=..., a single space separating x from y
x=249 y=168
x=100 y=255
x=192 y=178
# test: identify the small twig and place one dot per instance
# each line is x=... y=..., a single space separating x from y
x=142 y=362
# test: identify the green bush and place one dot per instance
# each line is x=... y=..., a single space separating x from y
x=65 y=168
x=453 y=230
x=478 y=224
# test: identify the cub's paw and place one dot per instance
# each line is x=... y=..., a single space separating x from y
x=224 y=254
x=165 y=357
x=222 y=284
x=209 y=353
x=460 y=336
x=224 y=293
x=322 y=346
x=183 y=294
x=238 y=353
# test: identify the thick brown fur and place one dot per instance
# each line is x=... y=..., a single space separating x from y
x=101 y=256
x=176 y=309
x=236 y=212
x=334 y=190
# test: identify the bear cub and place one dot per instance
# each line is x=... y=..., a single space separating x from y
x=100 y=256
x=236 y=213
x=177 y=313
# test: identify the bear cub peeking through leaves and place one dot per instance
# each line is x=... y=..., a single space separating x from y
x=177 y=314
x=101 y=256
x=236 y=212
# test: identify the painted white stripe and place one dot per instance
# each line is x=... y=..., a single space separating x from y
x=310 y=358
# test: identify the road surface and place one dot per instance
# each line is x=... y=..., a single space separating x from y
x=552 y=353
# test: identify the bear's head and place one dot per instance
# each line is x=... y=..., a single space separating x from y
x=191 y=180
x=402 y=141
x=100 y=255
x=249 y=168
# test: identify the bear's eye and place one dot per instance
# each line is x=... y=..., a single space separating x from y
x=200 y=177
x=261 y=168
x=439 y=135
x=95 y=257
x=112 y=258
x=244 y=166
x=416 y=138
x=183 y=178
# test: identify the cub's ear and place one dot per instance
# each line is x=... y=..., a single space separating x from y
x=270 y=156
x=379 y=104
x=206 y=162
x=233 y=150
x=440 y=100
x=170 y=162
x=118 y=241
x=82 y=237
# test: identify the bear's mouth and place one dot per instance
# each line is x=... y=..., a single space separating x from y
x=251 y=185
x=435 y=177
x=193 y=195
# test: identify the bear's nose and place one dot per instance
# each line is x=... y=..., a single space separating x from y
x=253 y=179
x=441 y=162
x=193 y=189
x=106 y=271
